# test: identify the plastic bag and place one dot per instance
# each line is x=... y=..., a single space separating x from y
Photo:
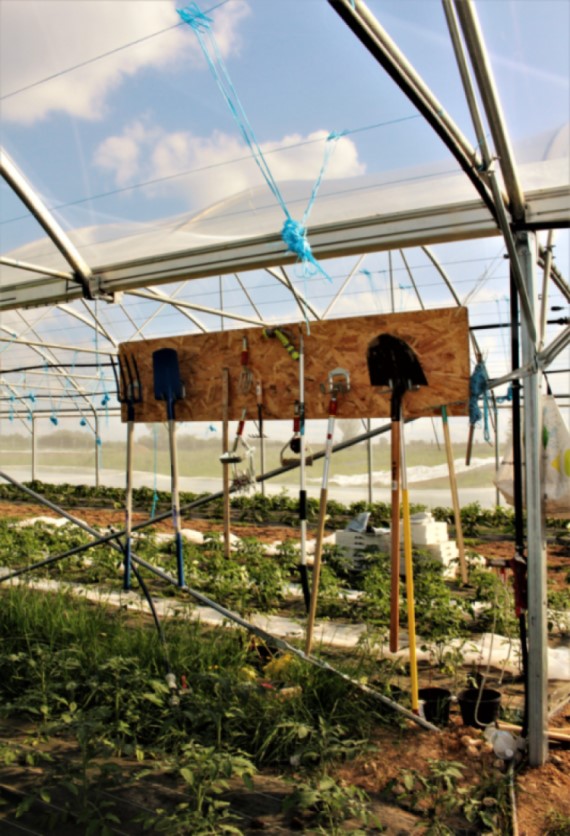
x=555 y=463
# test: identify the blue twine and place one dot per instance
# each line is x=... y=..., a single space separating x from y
x=478 y=389
x=54 y=420
x=373 y=291
x=32 y=399
x=293 y=232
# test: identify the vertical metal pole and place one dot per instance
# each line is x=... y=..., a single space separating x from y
x=370 y=462
x=97 y=450
x=519 y=563
x=33 y=448
x=545 y=283
x=391 y=275
x=226 y=467
x=497 y=456
x=536 y=552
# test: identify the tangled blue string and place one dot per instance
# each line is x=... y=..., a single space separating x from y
x=293 y=233
x=478 y=389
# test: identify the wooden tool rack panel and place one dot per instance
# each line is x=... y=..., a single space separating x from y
x=439 y=338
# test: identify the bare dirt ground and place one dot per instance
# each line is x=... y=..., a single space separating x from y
x=540 y=791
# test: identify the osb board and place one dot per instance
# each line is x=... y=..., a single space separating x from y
x=438 y=337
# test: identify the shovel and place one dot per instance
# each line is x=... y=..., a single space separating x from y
x=392 y=363
x=129 y=393
x=168 y=387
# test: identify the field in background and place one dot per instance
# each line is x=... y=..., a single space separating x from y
x=199 y=457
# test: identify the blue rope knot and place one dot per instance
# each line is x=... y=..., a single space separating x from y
x=478 y=388
x=294 y=234
x=54 y=420
x=195 y=18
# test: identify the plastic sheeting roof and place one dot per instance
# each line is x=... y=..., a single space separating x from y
x=118 y=127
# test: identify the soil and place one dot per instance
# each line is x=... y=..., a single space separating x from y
x=540 y=791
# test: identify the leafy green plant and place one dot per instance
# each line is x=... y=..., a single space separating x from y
x=557 y=824
x=206 y=773
x=447 y=804
x=326 y=804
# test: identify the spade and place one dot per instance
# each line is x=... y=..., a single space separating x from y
x=392 y=363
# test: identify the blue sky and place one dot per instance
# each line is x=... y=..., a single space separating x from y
x=151 y=110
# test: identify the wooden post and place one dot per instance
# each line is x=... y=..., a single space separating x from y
x=226 y=467
x=454 y=496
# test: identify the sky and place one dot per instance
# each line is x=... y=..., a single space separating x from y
x=111 y=111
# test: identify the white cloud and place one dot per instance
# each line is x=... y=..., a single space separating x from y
x=40 y=40
x=221 y=164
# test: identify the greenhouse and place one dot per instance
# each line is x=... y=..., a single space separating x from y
x=285 y=395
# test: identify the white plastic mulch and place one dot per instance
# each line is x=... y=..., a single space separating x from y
x=499 y=652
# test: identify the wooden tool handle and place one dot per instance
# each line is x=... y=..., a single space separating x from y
x=395 y=540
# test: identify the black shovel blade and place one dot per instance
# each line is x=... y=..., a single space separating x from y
x=167 y=383
x=392 y=363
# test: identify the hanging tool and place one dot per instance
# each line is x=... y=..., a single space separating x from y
x=284 y=338
x=292 y=451
x=259 y=401
x=226 y=469
x=169 y=387
x=296 y=450
x=338 y=384
x=260 y=433
x=392 y=363
x=243 y=478
x=409 y=570
x=246 y=375
x=128 y=392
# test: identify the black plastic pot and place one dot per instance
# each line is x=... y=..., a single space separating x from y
x=479 y=707
x=436 y=703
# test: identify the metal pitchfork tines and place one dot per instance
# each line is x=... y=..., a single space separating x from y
x=128 y=382
x=129 y=392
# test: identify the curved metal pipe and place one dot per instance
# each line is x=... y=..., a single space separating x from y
x=16 y=181
x=367 y=29
x=482 y=69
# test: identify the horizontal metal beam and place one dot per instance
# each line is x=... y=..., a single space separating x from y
x=424 y=225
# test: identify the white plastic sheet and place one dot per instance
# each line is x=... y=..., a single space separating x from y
x=555 y=463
